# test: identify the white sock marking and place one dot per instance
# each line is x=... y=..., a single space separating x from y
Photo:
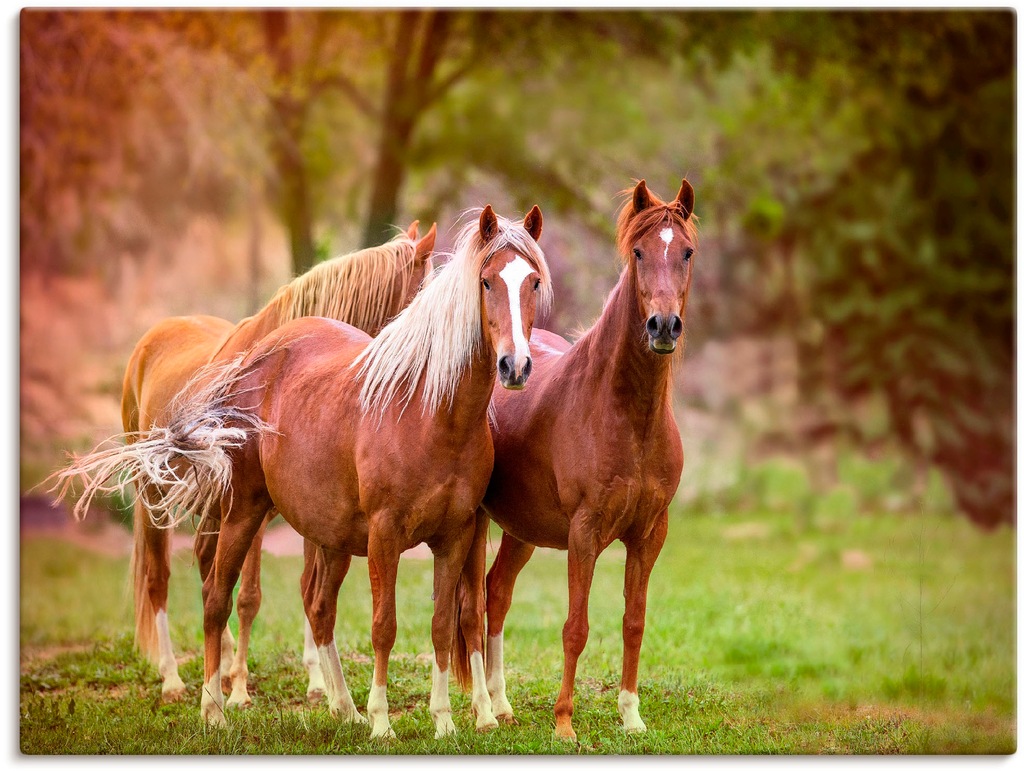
x=629 y=711
x=481 y=699
x=667 y=235
x=339 y=700
x=168 y=664
x=211 y=705
x=440 y=705
x=513 y=275
x=496 y=675
x=311 y=660
x=377 y=709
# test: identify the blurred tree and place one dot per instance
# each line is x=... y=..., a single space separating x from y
x=892 y=222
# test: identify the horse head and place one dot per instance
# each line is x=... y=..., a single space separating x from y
x=509 y=285
x=657 y=240
x=421 y=266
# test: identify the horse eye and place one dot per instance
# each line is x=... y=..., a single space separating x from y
x=688 y=255
x=487 y=286
x=636 y=253
x=536 y=285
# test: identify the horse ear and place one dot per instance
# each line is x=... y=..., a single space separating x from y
x=488 y=224
x=534 y=222
x=414 y=230
x=426 y=244
x=641 y=198
x=685 y=199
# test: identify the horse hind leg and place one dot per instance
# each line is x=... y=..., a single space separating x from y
x=316 y=687
x=512 y=556
x=151 y=572
x=250 y=597
x=205 y=550
x=467 y=656
x=382 y=562
x=449 y=561
x=237 y=531
x=321 y=580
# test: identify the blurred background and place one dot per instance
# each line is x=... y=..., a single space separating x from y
x=850 y=333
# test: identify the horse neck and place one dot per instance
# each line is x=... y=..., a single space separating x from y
x=472 y=398
x=637 y=379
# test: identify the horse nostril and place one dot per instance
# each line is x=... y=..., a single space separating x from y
x=677 y=327
x=527 y=368
x=653 y=326
x=505 y=367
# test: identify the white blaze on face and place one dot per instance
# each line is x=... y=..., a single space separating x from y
x=513 y=275
x=667 y=235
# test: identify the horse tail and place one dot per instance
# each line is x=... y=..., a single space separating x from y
x=188 y=461
x=145 y=614
x=460 y=645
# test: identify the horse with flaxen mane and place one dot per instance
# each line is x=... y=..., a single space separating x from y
x=591 y=452
x=368 y=447
x=365 y=288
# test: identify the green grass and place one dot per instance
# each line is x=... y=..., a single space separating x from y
x=861 y=634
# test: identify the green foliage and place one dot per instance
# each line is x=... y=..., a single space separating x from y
x=853 y=169
x=760 y=640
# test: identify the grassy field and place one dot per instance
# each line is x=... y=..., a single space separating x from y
x=870 y=634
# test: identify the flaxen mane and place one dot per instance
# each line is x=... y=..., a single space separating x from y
x=354 y=288
x=436 y=336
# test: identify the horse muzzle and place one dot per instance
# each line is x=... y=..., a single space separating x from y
x=512 y=377
x=663 y=329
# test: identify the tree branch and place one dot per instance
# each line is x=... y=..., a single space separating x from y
x=336 y=80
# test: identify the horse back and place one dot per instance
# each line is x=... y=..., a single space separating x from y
x=163 y=360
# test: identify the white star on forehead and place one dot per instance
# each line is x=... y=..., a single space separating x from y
x=666 y=235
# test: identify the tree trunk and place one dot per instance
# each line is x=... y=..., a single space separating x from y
x=406 y=94
x=288 y=118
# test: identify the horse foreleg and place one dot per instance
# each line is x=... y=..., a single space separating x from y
x=322 y=578
x=641 y=554
x=583 y=551
x=512 y=556
x=382 y=561
x=250 y=595
x=236 y=535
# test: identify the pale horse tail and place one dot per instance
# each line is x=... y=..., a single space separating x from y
x=188 y=461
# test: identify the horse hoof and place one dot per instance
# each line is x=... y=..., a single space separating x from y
x=385 y=734
x=239 y=703
x=315 y=694
x=172 y=695
x=347 y=715
x=507 y=718
x=565 y=733
x=215 y=719
x=487 y=727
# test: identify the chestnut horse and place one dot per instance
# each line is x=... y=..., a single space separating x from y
x=364 y=288
x=369 y=447
x=591 y=453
